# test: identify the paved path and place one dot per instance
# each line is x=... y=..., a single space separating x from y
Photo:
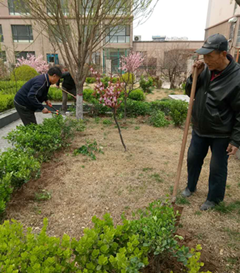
x=6 y=129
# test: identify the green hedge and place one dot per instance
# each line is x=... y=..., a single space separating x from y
x=34 y=144
x=10 y=87
x=6 y=102
x=106 y=248
x=90 y=80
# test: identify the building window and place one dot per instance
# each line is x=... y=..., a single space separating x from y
x=111 y=59
x=22 y=33
x=118 y=34
x=52 y=58
x=3 y=56
x=1 y=34
x=17 y=7
x=53 y=9
x=23 y=54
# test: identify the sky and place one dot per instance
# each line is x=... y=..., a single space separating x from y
x=179 y=18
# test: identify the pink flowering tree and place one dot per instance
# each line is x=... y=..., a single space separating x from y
x=130 y=65
x=110 y=97
x=37 y=63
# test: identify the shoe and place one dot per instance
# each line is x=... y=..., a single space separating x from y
x=186 y=192
x=208 y=205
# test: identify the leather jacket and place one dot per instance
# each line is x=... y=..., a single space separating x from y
x=216 y=108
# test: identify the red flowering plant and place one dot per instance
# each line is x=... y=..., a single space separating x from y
x=110 y=96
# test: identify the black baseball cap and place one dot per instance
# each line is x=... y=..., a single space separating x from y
x=214 y=42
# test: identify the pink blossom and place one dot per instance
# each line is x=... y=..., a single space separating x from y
x=131 y=62
x=38 y=63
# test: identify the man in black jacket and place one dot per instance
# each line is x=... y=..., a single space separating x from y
x=30 y=96
x=215 y=117
x=68 y=84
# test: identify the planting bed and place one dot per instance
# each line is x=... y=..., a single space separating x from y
x=79 y=187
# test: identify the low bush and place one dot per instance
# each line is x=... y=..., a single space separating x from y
x=34 y=144
x=178 y=112
x=55 y=94
x=6 y=102
x=16 y=168
x=10 y=87
x=137 y=94
x=136 y=108
x=164 y=106
x=90 y=80
x=43 y=139
x=158 y=119
x=157 y=82
x=23 y=73
x=146 y=85
x=104 y=248
x=88 y=94
x=106 y=80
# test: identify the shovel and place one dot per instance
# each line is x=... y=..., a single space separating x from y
x=184 y=140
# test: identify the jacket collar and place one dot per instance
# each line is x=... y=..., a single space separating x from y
x=47 y=79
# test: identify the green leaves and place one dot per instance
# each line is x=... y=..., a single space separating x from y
x=33 y=145
x=88 y=150
x=104 y=248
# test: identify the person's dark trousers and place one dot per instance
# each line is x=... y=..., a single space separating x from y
x=218 y=166
x=27 y=116
x=65 y=98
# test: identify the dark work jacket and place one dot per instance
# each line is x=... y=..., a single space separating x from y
x=33 y=93
x=216 y=108
x=68 y=82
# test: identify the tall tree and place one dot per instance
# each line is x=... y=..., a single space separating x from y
x=80 y=28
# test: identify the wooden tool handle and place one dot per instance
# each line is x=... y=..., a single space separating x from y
x=184 y=141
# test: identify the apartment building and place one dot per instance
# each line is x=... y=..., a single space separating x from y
x=224 y=17
x=21 y=36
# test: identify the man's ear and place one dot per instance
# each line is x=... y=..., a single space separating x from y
x=224 y=53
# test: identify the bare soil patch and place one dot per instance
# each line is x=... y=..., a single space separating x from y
x=120 y=181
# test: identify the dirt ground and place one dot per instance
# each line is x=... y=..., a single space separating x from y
x=118 y=181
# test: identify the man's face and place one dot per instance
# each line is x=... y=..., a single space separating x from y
x=215 y=60
x=54 y=79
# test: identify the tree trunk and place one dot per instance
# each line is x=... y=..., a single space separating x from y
x=79 y=102
x=119 y=130
x=125 y=107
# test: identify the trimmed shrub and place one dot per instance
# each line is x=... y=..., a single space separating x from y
x=158 y=119
x=146 y=85
x=128 y=78
x=164 y=106
x=6 y=102
x=88 y=94
x=157 y=82
x=55 y=94
x=137 y=94
x=10 y=87
x=90 y=80
x=178 y=112
x=23 y=73
x=136 y=108
x=20 y=165
x=106 y=80
x=34 y=144
x=104 y=248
